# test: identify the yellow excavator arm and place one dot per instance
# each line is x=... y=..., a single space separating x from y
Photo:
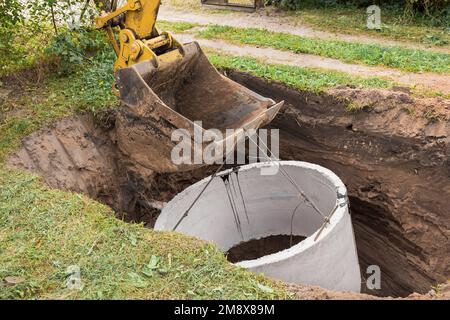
x=139 y=40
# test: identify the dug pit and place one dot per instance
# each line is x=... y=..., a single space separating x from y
x=394 y=162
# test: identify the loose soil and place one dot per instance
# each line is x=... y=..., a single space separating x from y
x=258 y=248
x=393 y=155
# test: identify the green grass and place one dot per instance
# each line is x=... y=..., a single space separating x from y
x=178 y=27
x=369 y=54
x=299 y=78
x=347 y=19
x=44 y=231
x=396 y=25
x=185 y=4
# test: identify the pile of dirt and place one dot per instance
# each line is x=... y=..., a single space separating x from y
x=258 y=248
x=431 y=114
x=393 y=155
x=395 y=162
x=80 y=154
x=303 y=292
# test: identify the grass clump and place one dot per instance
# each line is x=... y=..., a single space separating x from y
x=369 y=54
x=43 y=232
x=178 y=27
x=396 y=24
x=300 y=78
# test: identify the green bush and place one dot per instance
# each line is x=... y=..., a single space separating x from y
x=10 y=13
x=431 y=8
x=73 y=48
x=37 y=32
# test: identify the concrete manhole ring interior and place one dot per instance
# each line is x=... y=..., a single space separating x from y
x=245 y=204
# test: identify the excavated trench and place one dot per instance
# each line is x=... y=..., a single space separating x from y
x=395 y=166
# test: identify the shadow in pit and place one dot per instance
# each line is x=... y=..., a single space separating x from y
x=380 y=242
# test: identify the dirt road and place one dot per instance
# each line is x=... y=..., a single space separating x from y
x=425 y=81
x=275 y=23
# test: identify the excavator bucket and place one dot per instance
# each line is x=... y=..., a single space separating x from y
x=172 y=94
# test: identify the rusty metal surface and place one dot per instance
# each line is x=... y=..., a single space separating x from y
x=160 y=99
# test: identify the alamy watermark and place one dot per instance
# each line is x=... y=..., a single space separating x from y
x=373 y=282
x=230 y=146
x=73 y=281
x=374 y=17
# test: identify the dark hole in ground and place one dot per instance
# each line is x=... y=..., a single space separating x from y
x=391 y=202
x=258 y=248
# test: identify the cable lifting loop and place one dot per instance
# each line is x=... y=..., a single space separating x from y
x=326 y=222
x=186 y=213
x=237 y=220
x=236 y=172
x=337 y=206
x=286 y=174
x=235 y=186
x=292 y=224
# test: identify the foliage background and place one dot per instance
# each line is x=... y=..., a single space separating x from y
x=437 y=10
